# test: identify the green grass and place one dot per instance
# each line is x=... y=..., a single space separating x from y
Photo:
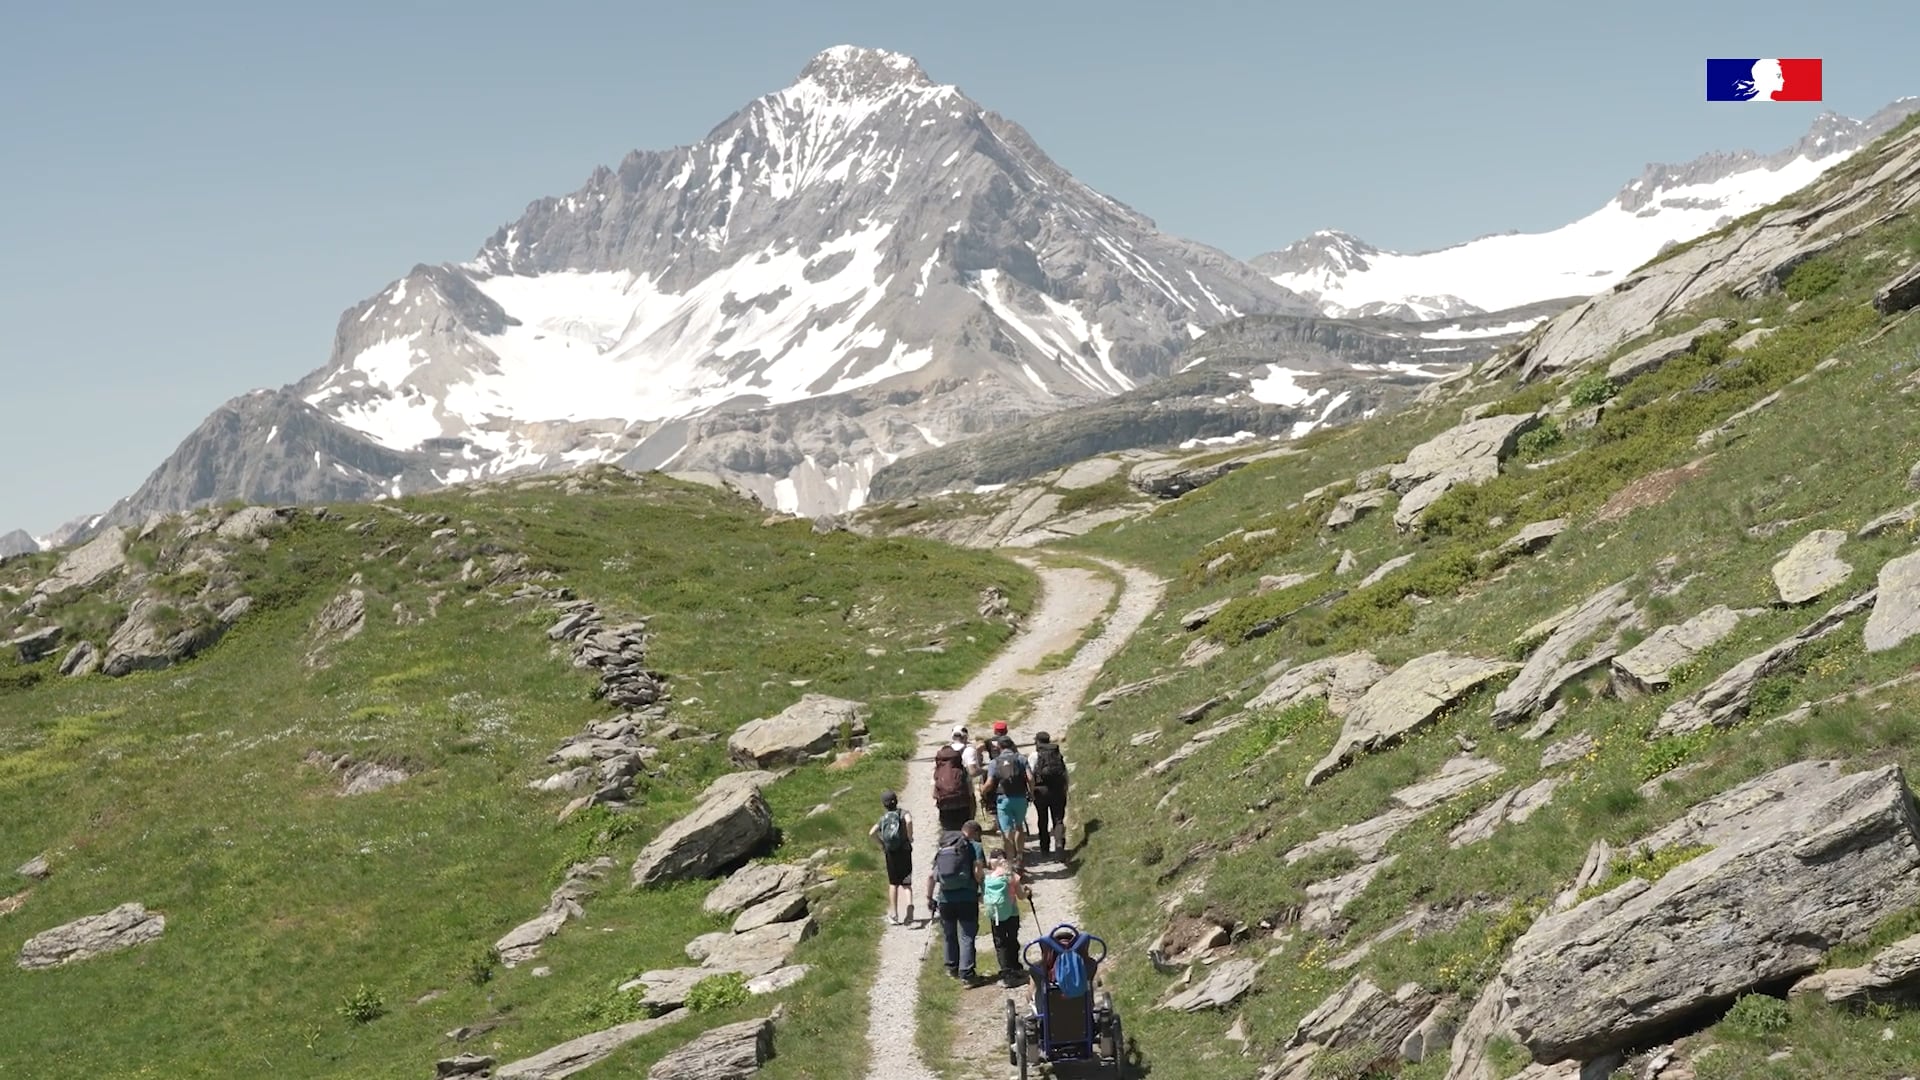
x=1241 y=802
x=184 y=788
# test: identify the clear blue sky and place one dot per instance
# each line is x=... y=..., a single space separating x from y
x=195 y=191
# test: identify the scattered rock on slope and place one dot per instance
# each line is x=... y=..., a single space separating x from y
x=1899 y=294
x=1893 y=972
x=1800 y=860
x=575 y=1055
x=83 y=567
x=1358 y=1019
x=753 y=883
x=523 y=942
x=1896 y=612
x=1653 y=355
x=731 y=1052
x=1341 y=680
x=35 y=645
x=1534 y=537
x=809 y=728
x=755 y=952
x=1552 y=665
x=1812 y=567
x=341 y=620
x=357 y=777
x=1649 y=666
x=1516 y=806
x=122 y=928
x=1725 y=699
x=731 y=823
x=1351 y=508
x=1225 y=984
x=1404 y=700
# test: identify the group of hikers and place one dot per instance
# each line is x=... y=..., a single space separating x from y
x=966 y=879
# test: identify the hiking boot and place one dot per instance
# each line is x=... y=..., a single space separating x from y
x=909 y=917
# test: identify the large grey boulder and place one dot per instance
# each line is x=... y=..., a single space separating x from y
x=248 y=523
x=1348 y=509
x=35 y=645
x=82 y=939
x=1341 y=680
x=1458 y=776
x=1653 y=355
x=84 y=567
x=1379 y=573
x=1896 y=610
x=1358 y=1019
x=1226 y=983
x=1649 y=666
x=755 y=952
x=578 y=1055
x=1560 y=658
x=1724 y=700
x=1533 y=537
x=730 y=824
x=753 y=883
x=731 y=1052
x=1170 y=478
x=150 y=639
x=814 y=725
x=1800 y=860
x=1516 y=806
x=1403 y=701
x=1202 y=615
x=1474 y=449
x=1811 y=567
x=784 y=907
x=82 y=659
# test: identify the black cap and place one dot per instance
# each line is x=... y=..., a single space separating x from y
x=890 y=800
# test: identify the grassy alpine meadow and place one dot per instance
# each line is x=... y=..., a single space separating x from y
x=310 y=934
x=1207 y=838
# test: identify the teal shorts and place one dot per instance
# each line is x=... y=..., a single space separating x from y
x=1012 y=812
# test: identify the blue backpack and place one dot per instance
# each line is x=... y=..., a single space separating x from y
x=1069 y=967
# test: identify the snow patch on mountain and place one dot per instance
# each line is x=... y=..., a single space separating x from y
x=1346 y=277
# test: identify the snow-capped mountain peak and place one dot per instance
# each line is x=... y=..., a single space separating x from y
x=855 y=267
x=1665 y=204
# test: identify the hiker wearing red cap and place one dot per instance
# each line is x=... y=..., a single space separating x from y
x=1008 y=785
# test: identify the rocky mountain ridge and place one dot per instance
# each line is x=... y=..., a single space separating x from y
x=1667 y=204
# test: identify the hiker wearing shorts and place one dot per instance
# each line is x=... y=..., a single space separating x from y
x=1008 y=781
x=894 y=832
x=1049 y=792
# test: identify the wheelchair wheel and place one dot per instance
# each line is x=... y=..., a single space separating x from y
x=1021 y=1049
x=1113 y=1037
x=1013 y=1023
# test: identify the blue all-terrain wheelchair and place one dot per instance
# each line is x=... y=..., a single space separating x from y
x=1081 y=1030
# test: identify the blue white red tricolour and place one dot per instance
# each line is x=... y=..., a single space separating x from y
x=1764 y=79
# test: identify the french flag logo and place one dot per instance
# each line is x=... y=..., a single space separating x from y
x=1763 y=80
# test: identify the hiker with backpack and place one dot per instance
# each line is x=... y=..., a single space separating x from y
x=1009 y=785
x=952 y=792
x=953 y=892
x=1050 y=791
x=894 y=831
x=1001 y=894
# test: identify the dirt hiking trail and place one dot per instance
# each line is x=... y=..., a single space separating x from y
x=1070 y=600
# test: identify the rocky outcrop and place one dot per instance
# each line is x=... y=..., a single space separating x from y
x=1516 y=806
x=1403 y=701
x=754 y=952
x=35 y=645
x=523 y=942
x=1894 y=972
x=1896 y=611
x=1202 y=615
x=1379 y=573
x=1900 y=294
x=1351 y=508
x=1226 y=982
x=357 y=777
x=1474 y=449
x=1799 y=860
x=1458 y=776
x=82 y=659
x=156 y=635
x=1534 y=537
x=1172 y=478
x=1325 y=900
x=249 y=523
x=808 y=730
x=1655 y=354
x=1367 y=839
x=463 y=1067
x=1554 y=664
x=578 y=1055
x=83 y=567
x=1198 y=742
x=1812 y=567
x=1724 y=700
x=1649 y=666
x=83 y=939
x=731 y=823
x=1341 y=680
x=342 y=620
x=1364 y=1023
x=754 y=883
x=730 y=1052
x=781 y=907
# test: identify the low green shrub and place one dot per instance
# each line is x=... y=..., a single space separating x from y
x=717 y=992
x=1756 y=1016
x=1593 y=388
x=363 y=1006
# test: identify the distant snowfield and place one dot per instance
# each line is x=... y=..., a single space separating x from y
x=1586 y=257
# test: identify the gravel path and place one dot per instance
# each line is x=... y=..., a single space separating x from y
x=1069 y=600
